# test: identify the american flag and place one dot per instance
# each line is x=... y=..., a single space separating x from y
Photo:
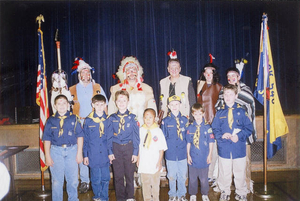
x=42 y=95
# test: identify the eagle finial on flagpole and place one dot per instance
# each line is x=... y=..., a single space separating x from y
x=39 y=19
x=264 y=17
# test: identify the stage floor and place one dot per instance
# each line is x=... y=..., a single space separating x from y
x=285 y=186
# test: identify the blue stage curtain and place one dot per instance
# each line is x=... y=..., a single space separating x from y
x=102 y=32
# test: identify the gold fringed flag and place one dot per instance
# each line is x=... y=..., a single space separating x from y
x=276 y=123
x=42 y=95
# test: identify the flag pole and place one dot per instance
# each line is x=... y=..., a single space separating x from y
x=41 y=193
x=266 y=194
x=265 y=116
